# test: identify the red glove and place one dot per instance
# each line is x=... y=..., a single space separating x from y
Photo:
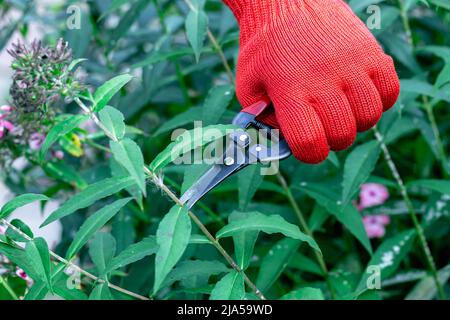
x=320 y=66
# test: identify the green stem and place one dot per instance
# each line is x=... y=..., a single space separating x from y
x=427 y=105
x=216 y=46
x=439 y=145
x=212 y=214
x=70 y=264
x=412 y=213
x=405 y=21
x=11 y=292
x=205 y=231
x=160 y=184
x=305 y=227
x=178 y=70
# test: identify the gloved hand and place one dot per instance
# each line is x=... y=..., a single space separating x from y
x=324 y=72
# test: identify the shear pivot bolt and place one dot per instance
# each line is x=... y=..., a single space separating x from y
x=243 y=137
x=229 y=161
x=258 y=149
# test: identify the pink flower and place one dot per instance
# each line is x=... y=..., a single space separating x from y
x=373 y=228
x=2 y=230
x=22 y=274
x=372 y=194
x=375 y=225
x=36 y=141
x=5 y=126
x=383 y=219
x=58 y=155
x=4 y=111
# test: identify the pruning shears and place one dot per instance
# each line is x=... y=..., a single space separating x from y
x=240 y=153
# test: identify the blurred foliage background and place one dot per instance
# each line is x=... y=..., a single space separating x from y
x=405 y=165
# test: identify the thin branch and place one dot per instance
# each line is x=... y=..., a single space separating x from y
x=412 y=212
x=175 y=199
x=76 y=267
x=442 y=157
x=6 y=285
x=216 y=46
x=304 y=225
x=205 y=231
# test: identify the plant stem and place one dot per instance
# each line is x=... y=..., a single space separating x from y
x=216 y=46
x=439 y=145
x=158 y=182
x=405 y=21
x=212 y=214
x=427 y=105
x=304 y=226
x=412 y=213
x=11 y=292
x=178 y=70
x=205 y=231
x=76 y=267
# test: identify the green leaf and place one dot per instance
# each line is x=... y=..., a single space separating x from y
x=75 y=63
x=441 y=186
x=89 y=196
x=16 y=236
x=64 y=172
x=216 y=103
x=172 y=237
x=347 y=215
x=94 y=223
x=443 y=77
x=101 y=250
x=20 y=201
x=194 y=268
x=66 y=286
x=118 y=170
x=113 y=120
x=275 y=262
x=268 y=224
x=105 y=93
x=230 y=287
x=60 y=129
x=303 y=263
x=304 y=294
x=128 y=19
x=39 y=257
x=196 y=27
x=387 y=257
x=101 y=292
x=441 y=3
x=359 y=165
x=188 y=141
x=244 y=242
x=133 y=253
x=19 y=257
x=113 y=6
x=192 y=174
x=37 y=292
x=129 y=155
x=199 y=239
x=160 y=56
x=249 y=180
x=180 y=120
x=426 y=288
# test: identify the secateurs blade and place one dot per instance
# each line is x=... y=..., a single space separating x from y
x=241 y=152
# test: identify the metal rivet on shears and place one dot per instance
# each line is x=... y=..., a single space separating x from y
x=229 y=161
x=258 y=149
x=243 y=137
